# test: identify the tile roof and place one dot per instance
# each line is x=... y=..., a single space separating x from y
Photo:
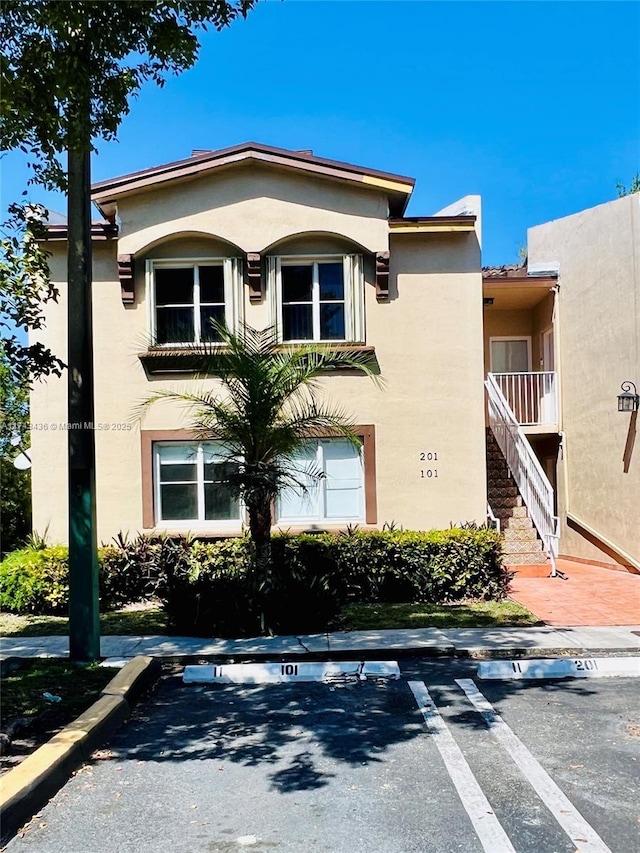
x=505 y=271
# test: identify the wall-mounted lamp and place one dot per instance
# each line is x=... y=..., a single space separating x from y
x=628 y=401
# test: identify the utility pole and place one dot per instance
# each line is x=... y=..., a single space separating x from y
x=84 y=624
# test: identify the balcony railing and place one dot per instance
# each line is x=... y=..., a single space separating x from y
x=532 y=397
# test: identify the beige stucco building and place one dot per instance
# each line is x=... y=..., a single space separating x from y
x=597 y=317
x=323 y=251
x=320 y=249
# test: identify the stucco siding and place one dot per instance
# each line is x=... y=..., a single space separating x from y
x=598 y=251
x=428 y=342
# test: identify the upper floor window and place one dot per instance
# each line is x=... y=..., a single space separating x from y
x=317 y=299
x=187 y=296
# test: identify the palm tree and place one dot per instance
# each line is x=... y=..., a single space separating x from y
x=265 y=410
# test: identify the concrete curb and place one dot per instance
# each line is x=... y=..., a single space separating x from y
x=27 y=787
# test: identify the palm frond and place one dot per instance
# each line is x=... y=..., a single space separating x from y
x=267 y=404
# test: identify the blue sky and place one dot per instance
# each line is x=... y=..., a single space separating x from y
x=535 y=106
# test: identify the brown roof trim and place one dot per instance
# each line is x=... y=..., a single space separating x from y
x=399 y=186
x=432 y=224
x=99 y=231
x=428 y=220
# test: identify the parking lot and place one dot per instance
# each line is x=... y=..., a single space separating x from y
x=423 y=763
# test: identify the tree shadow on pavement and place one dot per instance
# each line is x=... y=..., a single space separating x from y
x=298 y=725
x=298 y=730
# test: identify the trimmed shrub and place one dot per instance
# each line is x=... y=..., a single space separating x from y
x=210 y=589
x=213 y=591
x=35 y=580
x=205 y=589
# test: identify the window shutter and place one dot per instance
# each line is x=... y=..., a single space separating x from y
x=273 y=291
x=354 y=297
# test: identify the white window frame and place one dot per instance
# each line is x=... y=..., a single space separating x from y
x=321 y=517
x=200 y=521
x=526 y=338
x=353 y=278
x=232 y=294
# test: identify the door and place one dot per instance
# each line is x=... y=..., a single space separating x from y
x=513 y=356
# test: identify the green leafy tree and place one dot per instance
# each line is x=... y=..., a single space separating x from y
x=265 y=410
x=634 y=186
x=24 y=288
x=68 y=71
x=15 y=506
x=15 y=485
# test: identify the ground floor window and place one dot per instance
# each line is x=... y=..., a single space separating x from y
x=192 y=483
x=186 y=483
x=331 y=489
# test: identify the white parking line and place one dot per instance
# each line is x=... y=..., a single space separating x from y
x=582 y=835
x=487 y=826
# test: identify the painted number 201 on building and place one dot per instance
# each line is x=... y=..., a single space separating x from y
x=428 y=456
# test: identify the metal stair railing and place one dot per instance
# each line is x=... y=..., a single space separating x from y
x=492 y=519
x=533 y=484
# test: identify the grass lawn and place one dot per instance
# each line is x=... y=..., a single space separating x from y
x=150 y=620
x=129 y=622
x=29 y=719
x=77 y=686
x=470 y=614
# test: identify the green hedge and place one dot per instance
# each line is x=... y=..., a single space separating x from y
x=35 y=581
x=209 y=588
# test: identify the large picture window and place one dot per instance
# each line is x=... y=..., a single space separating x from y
x=192 y=483
x=187 y=296
x=338 y=495
x=317 y=299
x=186 y=483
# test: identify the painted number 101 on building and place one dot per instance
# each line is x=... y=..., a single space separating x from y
x=428 y=473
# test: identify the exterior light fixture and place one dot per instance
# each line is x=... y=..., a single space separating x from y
x=628 y=401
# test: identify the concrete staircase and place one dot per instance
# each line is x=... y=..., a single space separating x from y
x=522 y=545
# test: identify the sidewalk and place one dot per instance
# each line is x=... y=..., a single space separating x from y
x=455 y=642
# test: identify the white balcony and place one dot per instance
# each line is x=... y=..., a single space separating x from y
x=532 y=397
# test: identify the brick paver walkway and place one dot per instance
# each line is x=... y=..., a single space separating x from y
x=591 y=595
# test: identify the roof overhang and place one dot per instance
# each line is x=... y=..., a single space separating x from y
x=432 y=224
x=512 y=293
x=398 y=188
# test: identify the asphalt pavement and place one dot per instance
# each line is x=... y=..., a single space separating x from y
x=426 y=763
